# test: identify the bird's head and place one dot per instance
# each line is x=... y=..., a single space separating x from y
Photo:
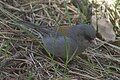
x=83 y=31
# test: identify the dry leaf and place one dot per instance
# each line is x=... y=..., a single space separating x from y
x=105 y=28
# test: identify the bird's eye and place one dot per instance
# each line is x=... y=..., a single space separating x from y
x=88 y=38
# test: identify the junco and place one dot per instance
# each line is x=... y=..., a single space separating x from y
x=78 y=38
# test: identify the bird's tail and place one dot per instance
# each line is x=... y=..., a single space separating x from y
x=33 y=27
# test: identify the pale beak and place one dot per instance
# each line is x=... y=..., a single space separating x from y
x=93 y=41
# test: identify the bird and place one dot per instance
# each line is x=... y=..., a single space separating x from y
x=78 y=38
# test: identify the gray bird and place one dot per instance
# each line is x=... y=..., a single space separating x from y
x=78 y=38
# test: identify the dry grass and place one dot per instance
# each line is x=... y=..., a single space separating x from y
x=21 y=52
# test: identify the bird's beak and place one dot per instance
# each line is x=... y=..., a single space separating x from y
x=93 y=41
